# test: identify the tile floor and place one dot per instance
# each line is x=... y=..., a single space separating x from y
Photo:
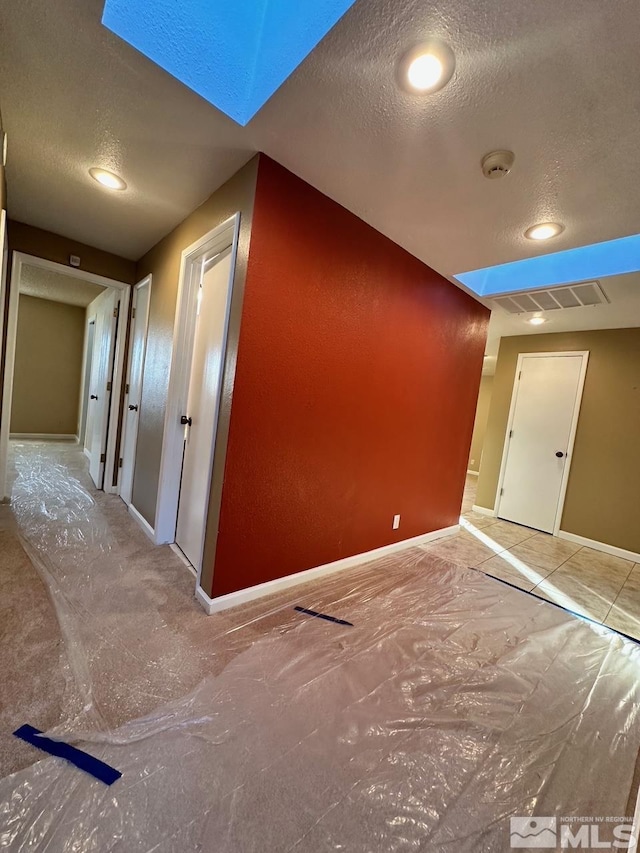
x=591 y=583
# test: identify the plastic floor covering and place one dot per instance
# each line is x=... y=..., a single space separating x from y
x=452 y=704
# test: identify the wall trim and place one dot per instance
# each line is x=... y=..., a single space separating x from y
x=225 y=235
x=44 y=436
x=472 y=473
x=128 y=449
x=599 y=546
x=86 y=452
x=142 y=521
x=242 y=596
x=483 y=510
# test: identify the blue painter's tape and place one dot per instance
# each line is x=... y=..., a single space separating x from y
x=323 y=616
x=74 y=756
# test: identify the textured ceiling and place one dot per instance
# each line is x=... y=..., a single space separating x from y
x=74 y=96
x=245 y=50
x=554 y=82
x=557 y=83
x=45 y=284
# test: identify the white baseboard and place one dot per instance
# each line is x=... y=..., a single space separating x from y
x=87 y=452
x=144 y=524
x=483 y=510
x=599 y=546
x=43 y=436
x=472 y=473
x=233 y=599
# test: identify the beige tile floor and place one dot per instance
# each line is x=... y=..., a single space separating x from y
x=591 y=583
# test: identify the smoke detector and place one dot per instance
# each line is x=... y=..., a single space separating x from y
x=497 y=164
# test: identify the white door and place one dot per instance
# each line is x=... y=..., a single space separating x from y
x=137 y=348
x=547 y=393
x=203 y=405
x=86 y=382
x=100 y=386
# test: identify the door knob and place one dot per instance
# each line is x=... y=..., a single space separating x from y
x=133 y=408
x=185 y=421
x=559 y=454
x=94 y=396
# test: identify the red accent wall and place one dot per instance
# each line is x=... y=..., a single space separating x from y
x=355 y=392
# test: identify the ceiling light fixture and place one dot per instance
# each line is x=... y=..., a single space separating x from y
x=537 y=321
x=107 y=179
x=544 y=231
x=427 y=67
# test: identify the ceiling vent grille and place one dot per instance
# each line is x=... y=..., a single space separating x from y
x=588 y=294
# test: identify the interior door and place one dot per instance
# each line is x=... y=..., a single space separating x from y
x=203 y=406
x=86 y=382
x=545 y=406
x=141 y=297
x=100 y=386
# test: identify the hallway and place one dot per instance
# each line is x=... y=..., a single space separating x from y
x=124 y=614
x=440 y=682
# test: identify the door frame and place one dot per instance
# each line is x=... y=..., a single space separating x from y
x=4 y=265
x=4 y=280
x=584 y=355
x=147 y=280
x=18 y=260
x=225 y=235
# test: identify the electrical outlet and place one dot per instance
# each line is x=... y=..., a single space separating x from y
x=472 y=462
x=396 y=522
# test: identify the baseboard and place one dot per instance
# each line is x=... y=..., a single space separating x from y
x=472 y=473
x=599 y=546
x=144 y=524
x=87 y=452
x=483 y=510
x=233 y=599
x=42 y=436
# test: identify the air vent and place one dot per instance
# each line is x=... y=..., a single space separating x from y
x=587 y=294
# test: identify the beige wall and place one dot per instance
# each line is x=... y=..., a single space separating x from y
x=54 y=247
x=163 y=262
x=48 y=365
x=480 y=423
x=602 y=501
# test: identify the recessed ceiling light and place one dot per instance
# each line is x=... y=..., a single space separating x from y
x=427 y=67
x=537 y=321
x=544 y=231
x=107 y=179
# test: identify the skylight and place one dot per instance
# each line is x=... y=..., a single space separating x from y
x=235 y=55
x=598 y=260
